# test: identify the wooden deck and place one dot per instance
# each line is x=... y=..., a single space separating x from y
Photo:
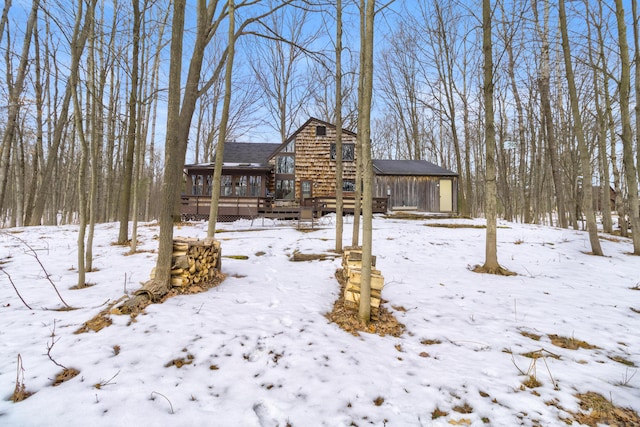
x=233 y=208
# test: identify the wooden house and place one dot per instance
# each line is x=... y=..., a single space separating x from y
x=277 y=179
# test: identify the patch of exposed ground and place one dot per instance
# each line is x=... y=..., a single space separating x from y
x=570 y=343
x=596 y=410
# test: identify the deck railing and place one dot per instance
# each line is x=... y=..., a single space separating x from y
x=197 y=207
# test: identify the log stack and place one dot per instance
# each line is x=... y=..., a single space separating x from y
x=352 y=273
x=194 y=261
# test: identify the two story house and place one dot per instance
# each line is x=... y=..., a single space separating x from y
x=276 y=179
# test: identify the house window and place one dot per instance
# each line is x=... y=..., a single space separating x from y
x=208 y=185
x=197 y=181
x=285 y=189
x=348 y=152
x=285 y=164
x=305 y=189
x=348 y=185
x=290 y=147
x=241 y=186
x=321 y=130
x=255 y=186
x=226 y=185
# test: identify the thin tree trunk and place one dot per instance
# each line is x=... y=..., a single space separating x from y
x=82 y=200
x=217 y=170
x=491 y=251
x=139 y=146
x=579 y=132
x=605 y=205
x=78 y=42
x=364 y=312
x=38 y=150
x=339 y=187
x=357 y=205
x=15 y=91
x=547 y=115
x=4 y=18
x=627 y=134
x=126 y=188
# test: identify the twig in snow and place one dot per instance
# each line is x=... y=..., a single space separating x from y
x=44 y=270
x=166 y=398
x=15 y=289
x=50 y=347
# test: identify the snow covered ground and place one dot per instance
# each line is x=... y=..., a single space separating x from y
x=259 y=351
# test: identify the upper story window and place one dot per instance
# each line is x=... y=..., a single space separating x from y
x=290 y=147
x=321 y=130
x=285 y=164
x=348 y=152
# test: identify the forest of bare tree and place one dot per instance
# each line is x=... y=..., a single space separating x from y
x=86 y=101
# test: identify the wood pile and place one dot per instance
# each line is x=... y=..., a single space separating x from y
x=352 y=274
x=194 y=261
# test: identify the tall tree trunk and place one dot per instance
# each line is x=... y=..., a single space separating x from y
x=38 y=149
x=491 y=250
x=627 y=134
x=585 y=160
x=78 y=42
x=217 y=170
x=357 y=203
x=172 y=166
x=636 y=61
x=547 y=115
x=138 y=129
x=601 y=126
x=126 y=188
x=339 y=168
x=82 y=199
x=15 y=91
x=364 y=312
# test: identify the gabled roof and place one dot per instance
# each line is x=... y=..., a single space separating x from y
x=409 y=167
x=307 y=123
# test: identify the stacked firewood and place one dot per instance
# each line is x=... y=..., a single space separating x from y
x=352 y=274
x=194 y=261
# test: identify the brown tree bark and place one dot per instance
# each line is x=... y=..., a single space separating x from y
x=585 y=160
x=491 y=250
x=217 y=170
x=364 y=312
x=124 y=205
x=15 y=91
x=339 y=168
x=627 y=133
x=78 y=41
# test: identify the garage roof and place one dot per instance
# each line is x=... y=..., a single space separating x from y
x=409 y=167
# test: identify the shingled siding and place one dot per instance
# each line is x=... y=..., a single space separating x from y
x=313 y=159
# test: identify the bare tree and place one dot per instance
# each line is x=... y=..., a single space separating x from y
x=338 y=121
x=279 y=67
x=627 y=133
x=585 y=160
x=364 y=312
x=491 y=251
x=15 y=91
x=124 y=204
x=217 y=171
x=78 y=40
